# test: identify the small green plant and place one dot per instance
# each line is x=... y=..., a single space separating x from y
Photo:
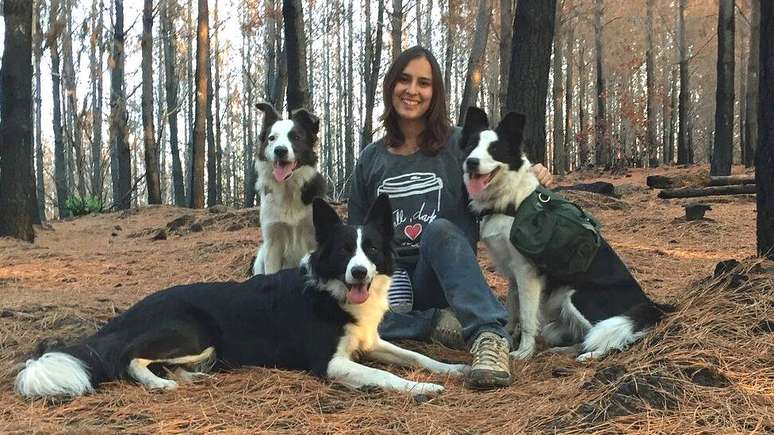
x=78 y=206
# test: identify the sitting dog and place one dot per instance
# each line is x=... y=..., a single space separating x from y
x=591 y=311
x=287 y=183
x=313 y=318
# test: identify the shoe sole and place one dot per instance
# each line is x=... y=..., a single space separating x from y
x=487 y=380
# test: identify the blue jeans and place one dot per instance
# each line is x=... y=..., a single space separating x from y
x=447 y=274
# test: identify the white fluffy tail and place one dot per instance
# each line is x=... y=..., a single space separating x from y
x=615 y=333
x=54 y=374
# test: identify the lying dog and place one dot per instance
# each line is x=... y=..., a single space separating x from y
x=591 y=312
x=313 y=318
x=287 y=183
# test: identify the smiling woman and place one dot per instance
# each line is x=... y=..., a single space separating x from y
x=441 y=293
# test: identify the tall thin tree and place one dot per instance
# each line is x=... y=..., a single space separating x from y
x=149 y=131
x=751 y=109
x=396 y=27
x=650 y=110
x=722 y=150
x=60 y=166
x=295 y=54
x=173 y=105
x=17 y=197
x=602 y=150
x=200 y=121
x=96 y=49
x=118 y=115
x=37 y=49
x=684 y=154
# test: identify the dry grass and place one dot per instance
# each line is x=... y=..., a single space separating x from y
x=708 y=368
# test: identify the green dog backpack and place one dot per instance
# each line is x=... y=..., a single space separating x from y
x=555 y=233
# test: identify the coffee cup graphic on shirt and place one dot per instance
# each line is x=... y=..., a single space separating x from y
x=416 y=201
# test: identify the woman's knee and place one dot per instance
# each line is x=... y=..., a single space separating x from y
x=440 y=232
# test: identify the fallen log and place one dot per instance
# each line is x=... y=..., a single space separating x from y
x=732 y=180
x=601 y=187
x=661 y=181
x=693 y=192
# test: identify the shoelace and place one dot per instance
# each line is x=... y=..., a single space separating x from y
x=489 y=351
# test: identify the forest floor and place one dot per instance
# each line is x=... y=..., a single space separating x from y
x=709 y=367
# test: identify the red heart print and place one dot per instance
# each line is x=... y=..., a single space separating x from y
x=413 y=231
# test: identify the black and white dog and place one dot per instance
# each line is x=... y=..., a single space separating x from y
x=315 y=318
x=587 y=313
x=287 y=183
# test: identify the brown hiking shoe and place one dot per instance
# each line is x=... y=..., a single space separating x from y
x=448 y=331
x=491 y=366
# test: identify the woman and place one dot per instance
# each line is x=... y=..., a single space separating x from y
x=438 y=281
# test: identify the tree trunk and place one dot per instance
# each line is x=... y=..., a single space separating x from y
x=695 y=192
x=568 y=96
x=476 y=59
x=560 y=154
x=396 y=27
x=764 y=157
x=160 y=113
x=190 y=98
x=96 y=50
x=17 y=197
x=373 y=56
x=650 y=134
x=722 y=150
x=149 y=132
x=533 y=33
x=349 y=128
x=38 y=53
x=449 y=55
x=173 y=105
x=683 y=135
x=200 y=120
x=295 y=51
x=753 y=63
x=602 y=146
x=60 y=169
x=506 y=39
x=212 y=175
x=247 y=137
x=118 y=116
x=218 y=149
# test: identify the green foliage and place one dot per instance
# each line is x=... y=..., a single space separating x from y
x=78 y=206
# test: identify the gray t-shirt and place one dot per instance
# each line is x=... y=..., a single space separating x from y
x=421 y=188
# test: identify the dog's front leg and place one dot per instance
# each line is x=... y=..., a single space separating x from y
x=530 y=286
x=512 y=304
x=389 y=353
x=354 y=375
x=272 y=250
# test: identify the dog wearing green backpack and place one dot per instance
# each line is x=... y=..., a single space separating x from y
x=567 y=285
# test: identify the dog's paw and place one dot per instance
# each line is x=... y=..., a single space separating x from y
x=588 y=356
x=457 y=370
x=163 y=384
x=523 y=353
x=425 y=388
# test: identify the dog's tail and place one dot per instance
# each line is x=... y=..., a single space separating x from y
x=65 y=372
x=618 y=332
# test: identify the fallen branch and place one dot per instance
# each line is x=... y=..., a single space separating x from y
x=692 y=192
x=732 y=180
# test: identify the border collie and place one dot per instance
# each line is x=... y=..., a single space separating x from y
x=588 y=313
x=287 y=183
x=316 y=318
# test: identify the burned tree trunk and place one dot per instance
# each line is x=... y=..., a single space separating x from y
x=533 y=33
x=96 y=49
x=396 y=27
x=200 y=121
x=37 y=49
x=602 y=147
x=173 y=106
x=149 y=131
x=371 y=63
x=650 y=111
x=17 y=197
x=60 y=166
x=751 y=111
x=118 y=115
x=764 y=157
x=722 y=150
x=683 y=135
x=295 y=52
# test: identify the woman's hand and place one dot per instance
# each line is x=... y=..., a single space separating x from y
x=543 y=175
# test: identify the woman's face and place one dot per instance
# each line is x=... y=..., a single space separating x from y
x=413 y=90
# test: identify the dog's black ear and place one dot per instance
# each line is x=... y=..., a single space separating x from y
x=476 y=121
x=324 y=218
x=270 y=116
x=310 y=122
x=511 y=128
x=380 y=216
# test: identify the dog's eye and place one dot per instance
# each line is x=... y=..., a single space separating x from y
x=293 y=136
x=371 y=250
x=271 y=138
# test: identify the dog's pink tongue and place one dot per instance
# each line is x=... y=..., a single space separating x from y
x=357 y=294
x=476 y=185
x=282 y=171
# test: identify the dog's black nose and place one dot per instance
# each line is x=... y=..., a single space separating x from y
x=359 y=272
x=472 y=164
x=280 y=152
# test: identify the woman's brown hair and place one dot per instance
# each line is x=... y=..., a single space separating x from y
x=438 y=127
